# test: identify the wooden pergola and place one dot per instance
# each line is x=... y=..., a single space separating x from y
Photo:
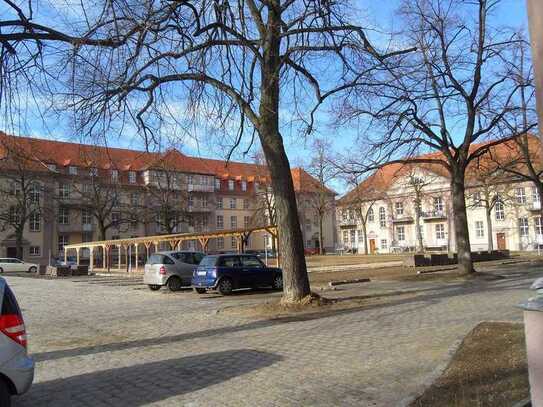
x=153 y=242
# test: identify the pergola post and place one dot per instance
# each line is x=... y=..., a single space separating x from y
x=65 y=255
x=120 y=251
x=136 y=269
x=104 y=257
x=77 y=255
x=91 y=258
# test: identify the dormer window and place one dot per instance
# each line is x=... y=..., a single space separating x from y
x=52 y=167
x=190 y=179
x=72 y=170
x=230 y=184
x=93 y=172
x=132 y=177
x=114 y=175
x=244 y=185
x=217 y=184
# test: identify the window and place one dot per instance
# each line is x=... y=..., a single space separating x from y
x=114 y=175
x=132 y=177
x=233 y=242
x=34 y=222
x=233 y=222
x=360 y=236
x=230 y=184
x=220 y=222
x=479 y=229
x=399 y=208
x=219 y=203
x=34 y=193
x=115 y=218
x=535 y=195
x=134 y=199
x=384 y=244
x=52 y=167
x=345 y=236
x=62 y=241
x=133 y=222
x=245 y=204
x=191 y=201
x=244 y=185
x=257 y=186
x=246 y=221
x=353 y=236
x=477 y=199
x=438 y=204
x=382 y=217
x=86 y=217
x=63 y=216
x=440 y=231
x=204 y=201
x=523 y=227
x=14 y=216
x=538 y=226
x=371 y=217
x=217 y=184
x=93 y=172
x=64 y=191
x=34 y=251
x=15 y=189
x=499 y=210
x=400 y=233
x=220 y=243
x=252 y=262
x=232 y=203
x=520 y=194
x=72 y=170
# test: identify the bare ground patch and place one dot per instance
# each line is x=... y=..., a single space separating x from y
x=489 y=369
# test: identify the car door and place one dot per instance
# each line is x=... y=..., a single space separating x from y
x=252 y=272
x=17 y=265
x=4 y=264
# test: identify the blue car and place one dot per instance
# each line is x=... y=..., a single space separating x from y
x=228 y=272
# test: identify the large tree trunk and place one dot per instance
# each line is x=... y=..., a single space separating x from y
x=490 y=232
x=463 y=247
x=295 y=279
x=364 y=229
x=417 y=226
x=19 y=243
x=320 y=234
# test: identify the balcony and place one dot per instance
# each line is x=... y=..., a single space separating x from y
x=398 y=219
x=433 y=215
x=347 y=222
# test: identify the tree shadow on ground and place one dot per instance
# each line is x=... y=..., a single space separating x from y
x=421 y=298
x=148 y=382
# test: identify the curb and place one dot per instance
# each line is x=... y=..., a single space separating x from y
x=354 y=281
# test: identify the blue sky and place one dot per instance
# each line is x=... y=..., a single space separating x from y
x=378 y=14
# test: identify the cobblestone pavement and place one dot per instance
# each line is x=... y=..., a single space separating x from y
x=112 y=342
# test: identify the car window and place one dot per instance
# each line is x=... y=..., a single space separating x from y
x=198 y=257
x=208 y=261
x=160 y=259
x=229 y=261
x=251 y=262
x=167 y=260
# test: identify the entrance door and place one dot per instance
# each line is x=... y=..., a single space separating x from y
x=372 y=246
x=500 y=237
x=11 y=252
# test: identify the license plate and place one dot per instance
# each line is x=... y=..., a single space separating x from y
x=202 y=273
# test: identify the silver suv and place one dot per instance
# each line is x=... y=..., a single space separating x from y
x=16 y=367
x=173 y=269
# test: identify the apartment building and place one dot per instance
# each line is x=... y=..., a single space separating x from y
x=404 y=207
x=85 y=193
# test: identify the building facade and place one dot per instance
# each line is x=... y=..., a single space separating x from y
x=409 y=207
x=84 y=193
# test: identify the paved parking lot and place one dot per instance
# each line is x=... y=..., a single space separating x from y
x=112 y=342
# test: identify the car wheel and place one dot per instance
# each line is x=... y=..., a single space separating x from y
x=32 y=269
x=154 y=287
x=175 y=283
x=225 y=286
x=5 y=395
x=278 y=282
x=200 y=290
x=1 y=270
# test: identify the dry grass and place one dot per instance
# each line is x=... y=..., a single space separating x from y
x=489 y=369
x=350 y=259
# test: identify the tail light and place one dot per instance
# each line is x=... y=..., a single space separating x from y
x=162 y=270
x=11 y=319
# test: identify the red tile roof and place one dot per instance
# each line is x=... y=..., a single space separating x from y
x=65 y=154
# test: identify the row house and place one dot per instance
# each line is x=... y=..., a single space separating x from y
x=88 y=193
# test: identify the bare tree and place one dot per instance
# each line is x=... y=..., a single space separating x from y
x=228 y=59
x=322 y=198
x=23 y=190
x=455 y=91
